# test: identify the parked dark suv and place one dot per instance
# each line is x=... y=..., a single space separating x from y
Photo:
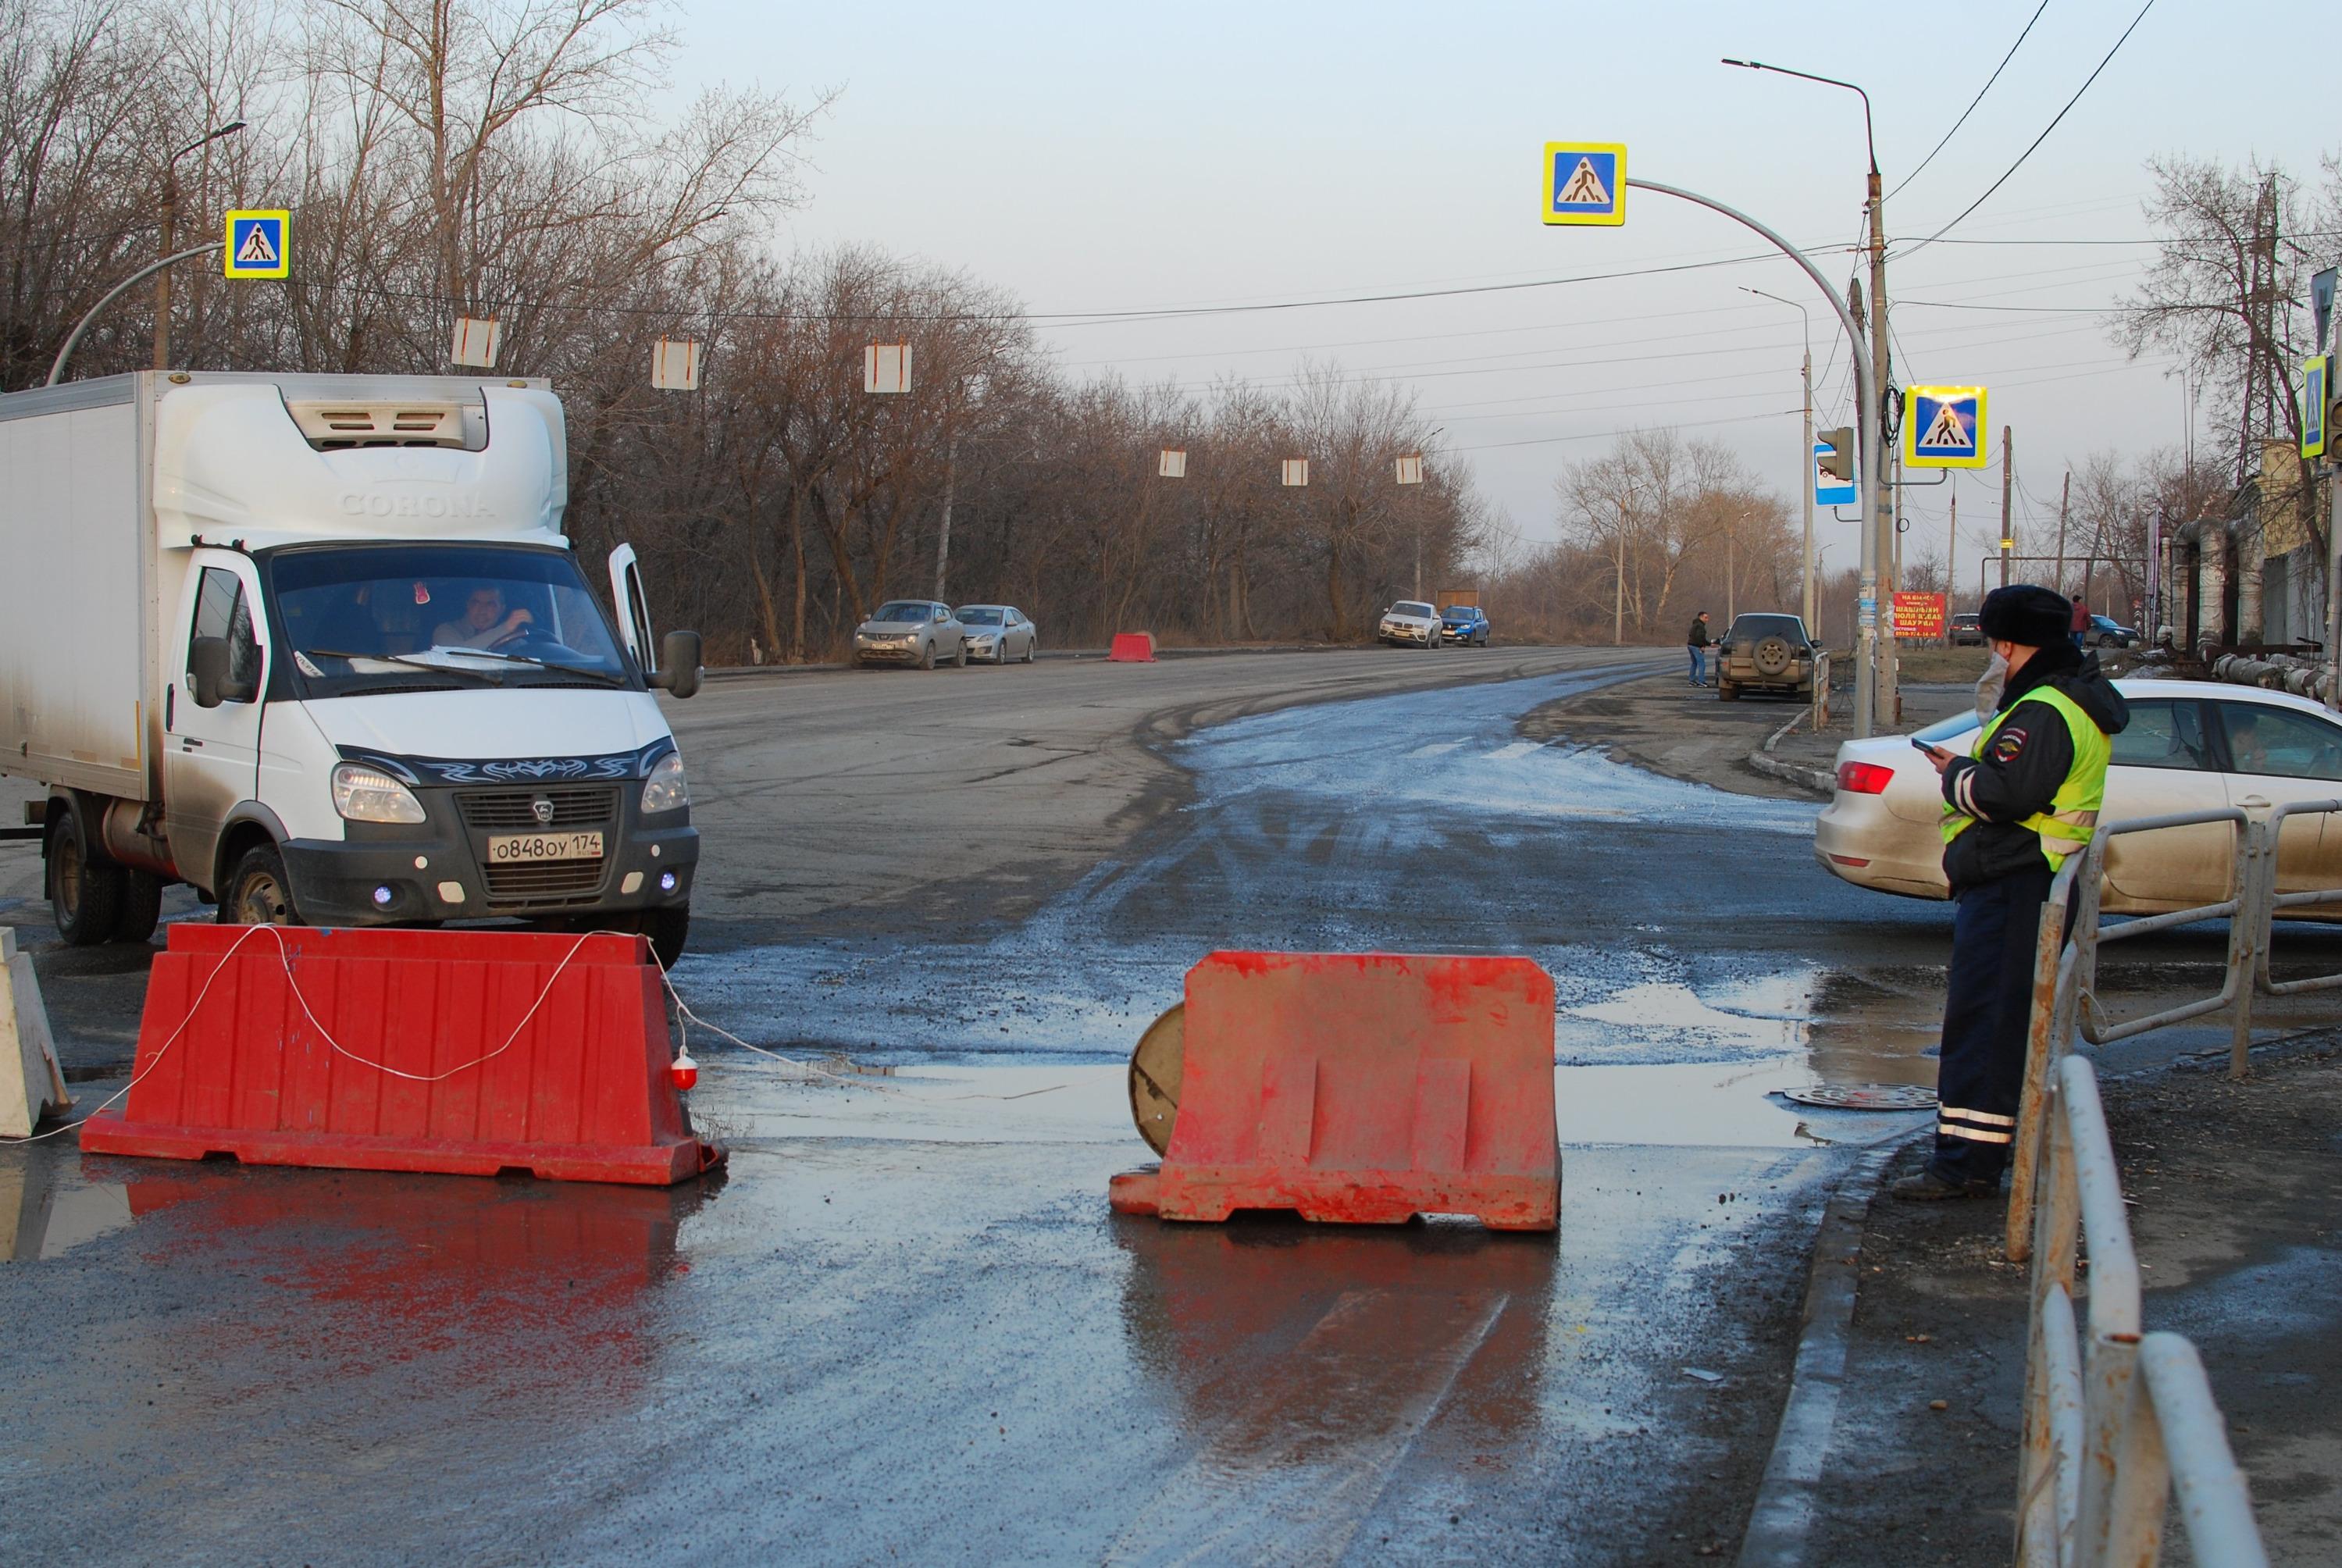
x=1967 y=630
x=1767 y=652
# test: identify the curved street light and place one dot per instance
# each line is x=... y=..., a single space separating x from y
x=170 y=237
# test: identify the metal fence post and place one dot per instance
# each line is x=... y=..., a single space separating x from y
x=2042 y=1042
x=2256 y=862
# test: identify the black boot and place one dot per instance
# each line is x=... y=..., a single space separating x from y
x=1928 y=1188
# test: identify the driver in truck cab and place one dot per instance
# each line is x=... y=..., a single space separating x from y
x=484 y=623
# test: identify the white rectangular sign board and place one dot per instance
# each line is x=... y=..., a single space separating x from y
x=886 y=368
x=675 y=365
x=476 y=342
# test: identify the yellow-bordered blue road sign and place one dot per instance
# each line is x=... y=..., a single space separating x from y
x=255 y=244
x=1586 y=183
x=1944 y=427
x=2315 y=381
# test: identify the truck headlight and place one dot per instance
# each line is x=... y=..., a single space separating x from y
x=363 y=794
x=664 y=789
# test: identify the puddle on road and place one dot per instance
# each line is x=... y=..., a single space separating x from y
x=48 y=1206
x=1707 y=1105
x=1300 y=818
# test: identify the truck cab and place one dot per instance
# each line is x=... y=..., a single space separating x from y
x=374 y=684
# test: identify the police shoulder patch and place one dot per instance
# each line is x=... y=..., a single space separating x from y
x=2007 y=744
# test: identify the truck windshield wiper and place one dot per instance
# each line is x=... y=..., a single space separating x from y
x=488 y=675
x=597 y=676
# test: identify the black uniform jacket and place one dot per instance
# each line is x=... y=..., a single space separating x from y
x=2029 y=759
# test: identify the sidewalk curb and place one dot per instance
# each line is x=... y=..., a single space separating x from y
x=1763 y=759
x=1782 y=1519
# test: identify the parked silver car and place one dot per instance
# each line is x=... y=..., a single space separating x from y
x=2190 y=746
x=911 y=632
x=999 y=633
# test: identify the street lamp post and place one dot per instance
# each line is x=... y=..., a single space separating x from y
x=1876 y=689
x=1872 y=438
x=170 y=237
x=1806 y=452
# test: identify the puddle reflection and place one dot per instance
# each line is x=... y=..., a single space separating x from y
x=1207 y=1310
x=502 y=1288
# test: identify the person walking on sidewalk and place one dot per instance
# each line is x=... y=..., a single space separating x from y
x=1695 y=643
x=2026 y=798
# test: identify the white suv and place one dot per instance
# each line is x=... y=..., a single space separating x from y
x=1408 y=624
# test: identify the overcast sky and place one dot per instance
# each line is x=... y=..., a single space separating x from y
x=1110 y=158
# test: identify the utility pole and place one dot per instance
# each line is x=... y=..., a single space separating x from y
x=1618 y=588
x=1951 y=566
x=951 y=479
x=2064 y=498
x=2007 y=483
x=1890 y=692
x=1806 y=555
x=1731 y=576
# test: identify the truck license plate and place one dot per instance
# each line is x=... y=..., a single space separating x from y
x=507 y=848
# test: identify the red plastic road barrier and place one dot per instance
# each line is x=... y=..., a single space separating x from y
x=581 y=1093
x=1132 y=648
x=1363 y=1088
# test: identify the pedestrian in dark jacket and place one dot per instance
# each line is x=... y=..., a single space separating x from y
x=2024 y=799
x=1696 y=645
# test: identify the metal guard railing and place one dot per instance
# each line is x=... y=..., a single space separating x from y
x=2113 y=1427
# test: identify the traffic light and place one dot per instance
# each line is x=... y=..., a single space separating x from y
x=1838 y=463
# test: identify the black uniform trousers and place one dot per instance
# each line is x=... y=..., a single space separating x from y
x=1981 y=1076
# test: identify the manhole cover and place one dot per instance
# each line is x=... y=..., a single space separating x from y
x=1865 y=1096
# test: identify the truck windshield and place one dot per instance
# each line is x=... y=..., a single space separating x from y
x=393 y=617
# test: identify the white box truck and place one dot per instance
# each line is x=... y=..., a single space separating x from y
x=316 y=644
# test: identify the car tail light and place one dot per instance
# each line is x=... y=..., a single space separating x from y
x=1864 y=778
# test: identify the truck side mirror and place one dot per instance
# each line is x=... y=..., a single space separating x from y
x=678 y=671
x=209 y=660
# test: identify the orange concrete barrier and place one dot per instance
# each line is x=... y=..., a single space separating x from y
x=1132 y=648
x=474 y=1053
x=1363 y=1088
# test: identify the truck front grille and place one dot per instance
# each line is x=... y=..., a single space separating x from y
x=514 y=810
x=543 y=882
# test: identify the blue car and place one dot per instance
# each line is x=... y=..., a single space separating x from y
x=1464 y=623
x=2108 y=633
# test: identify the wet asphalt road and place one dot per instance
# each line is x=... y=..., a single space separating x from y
x=904 y=1326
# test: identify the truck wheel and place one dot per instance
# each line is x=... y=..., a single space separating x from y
x=258 y=892
x=668 y=929
x=85 y=897
x=142 y=906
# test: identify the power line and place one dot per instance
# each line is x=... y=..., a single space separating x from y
x=1963 y=120
x=2045 y=131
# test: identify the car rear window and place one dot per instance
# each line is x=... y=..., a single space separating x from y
x=1787 y=626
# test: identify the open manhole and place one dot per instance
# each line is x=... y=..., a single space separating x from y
x=1865 y=1096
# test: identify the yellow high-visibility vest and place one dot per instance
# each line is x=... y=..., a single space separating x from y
x=2066 y=828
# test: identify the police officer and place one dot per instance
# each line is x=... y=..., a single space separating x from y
x=2024 y=799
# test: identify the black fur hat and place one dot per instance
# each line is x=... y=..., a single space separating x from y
x=2028 y=614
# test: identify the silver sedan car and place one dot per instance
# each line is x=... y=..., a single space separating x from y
x=2190 y=746
x=1000 y=633
x=919 y=632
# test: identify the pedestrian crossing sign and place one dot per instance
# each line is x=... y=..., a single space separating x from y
x=1586 y=183
x=1944 y=427
x=256 y=245
x=2315 y=384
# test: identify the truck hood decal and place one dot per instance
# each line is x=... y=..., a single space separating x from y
x=540 y=736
